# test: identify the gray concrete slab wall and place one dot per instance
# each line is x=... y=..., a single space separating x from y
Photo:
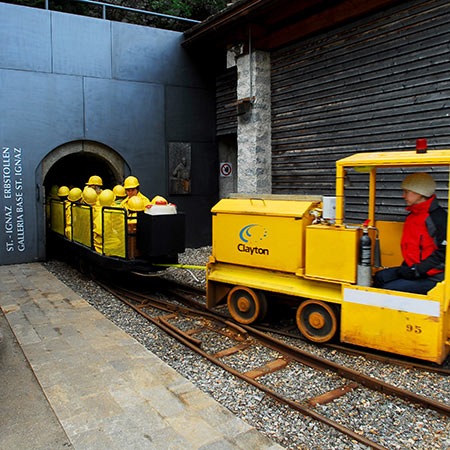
x=66 y=78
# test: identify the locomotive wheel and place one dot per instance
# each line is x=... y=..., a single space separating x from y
x=316 y=320
x=262 y=306
x=245 y=305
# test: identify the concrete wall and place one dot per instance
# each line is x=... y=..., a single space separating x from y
x=132 y=89
x=253 y=137
x=227 y=146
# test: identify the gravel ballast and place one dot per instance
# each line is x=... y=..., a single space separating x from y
x=389 y=421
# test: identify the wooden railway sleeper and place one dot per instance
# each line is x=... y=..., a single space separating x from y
x=329 y=396
x=270 y=367
x=232 y=350
x=229 y=332
x=365 y=380
x=168 y=316
x=190 y=338
x=354 y=351
x=193 y=331
x=294 y=405
x=320 y=362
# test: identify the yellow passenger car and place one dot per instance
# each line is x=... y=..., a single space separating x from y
x=283 y=246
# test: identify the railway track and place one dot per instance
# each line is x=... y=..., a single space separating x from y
x=189 y=322
x=185 y=293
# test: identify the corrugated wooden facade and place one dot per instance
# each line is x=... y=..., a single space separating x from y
x=374 y=85
x=226 y=95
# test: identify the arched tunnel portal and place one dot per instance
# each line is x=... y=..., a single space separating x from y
x=71 y=165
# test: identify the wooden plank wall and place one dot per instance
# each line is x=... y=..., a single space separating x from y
x=226 y=94
x=374 y=85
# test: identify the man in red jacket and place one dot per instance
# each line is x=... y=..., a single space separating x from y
x=423 y=241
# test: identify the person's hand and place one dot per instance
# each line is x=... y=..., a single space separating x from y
x=407 y=273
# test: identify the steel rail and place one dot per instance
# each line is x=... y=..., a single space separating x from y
x=370 y=382
x=324 y=364
x=279 y=346
x=201 y=306
x=292 y=404
x=342 y=348
x=157 y=303
x=366 y=353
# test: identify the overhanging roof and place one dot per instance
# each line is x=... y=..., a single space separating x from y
x=275 y=23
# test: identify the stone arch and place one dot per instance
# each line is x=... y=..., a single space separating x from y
x=72 y=164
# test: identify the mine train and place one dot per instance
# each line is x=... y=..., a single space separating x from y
x=127 y=246
x=272 y=249
x=288 y=249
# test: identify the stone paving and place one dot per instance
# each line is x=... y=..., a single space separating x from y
x=106 y=389
x=24 y=410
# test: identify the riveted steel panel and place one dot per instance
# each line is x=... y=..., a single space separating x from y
x=26 y=49
x=43 y=110
x=81 y=45
x=189 y=114
x=155 y=57
x=135 y=128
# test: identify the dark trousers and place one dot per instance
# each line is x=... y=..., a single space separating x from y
x=388 y=279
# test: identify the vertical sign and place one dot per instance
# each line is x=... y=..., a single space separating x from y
x=12 y=193
x=225 y=169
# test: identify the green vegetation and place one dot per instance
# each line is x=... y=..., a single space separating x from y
x=190 y=9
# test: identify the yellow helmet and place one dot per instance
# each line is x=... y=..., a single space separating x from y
x=63 y=191
x=131 y=183
x=119 y=191
x=74 y=194
x=136 y=204
x=106 y=198
x=94 y=180
x=158 y=200
x=54 y=191
x=89 y=196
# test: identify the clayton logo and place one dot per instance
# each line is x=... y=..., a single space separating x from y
x=252 y=234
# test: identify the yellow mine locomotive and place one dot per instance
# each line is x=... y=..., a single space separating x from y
x=289 y=247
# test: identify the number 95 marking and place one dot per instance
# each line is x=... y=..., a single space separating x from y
x=413 y=329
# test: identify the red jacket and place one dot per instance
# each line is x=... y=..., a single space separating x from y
x=424 y=237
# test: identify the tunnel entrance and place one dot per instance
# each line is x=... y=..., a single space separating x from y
x=71 y=165
x=75 y=170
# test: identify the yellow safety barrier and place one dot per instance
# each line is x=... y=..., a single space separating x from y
x=114 y=232
x=82 y=224
x=57 y=216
